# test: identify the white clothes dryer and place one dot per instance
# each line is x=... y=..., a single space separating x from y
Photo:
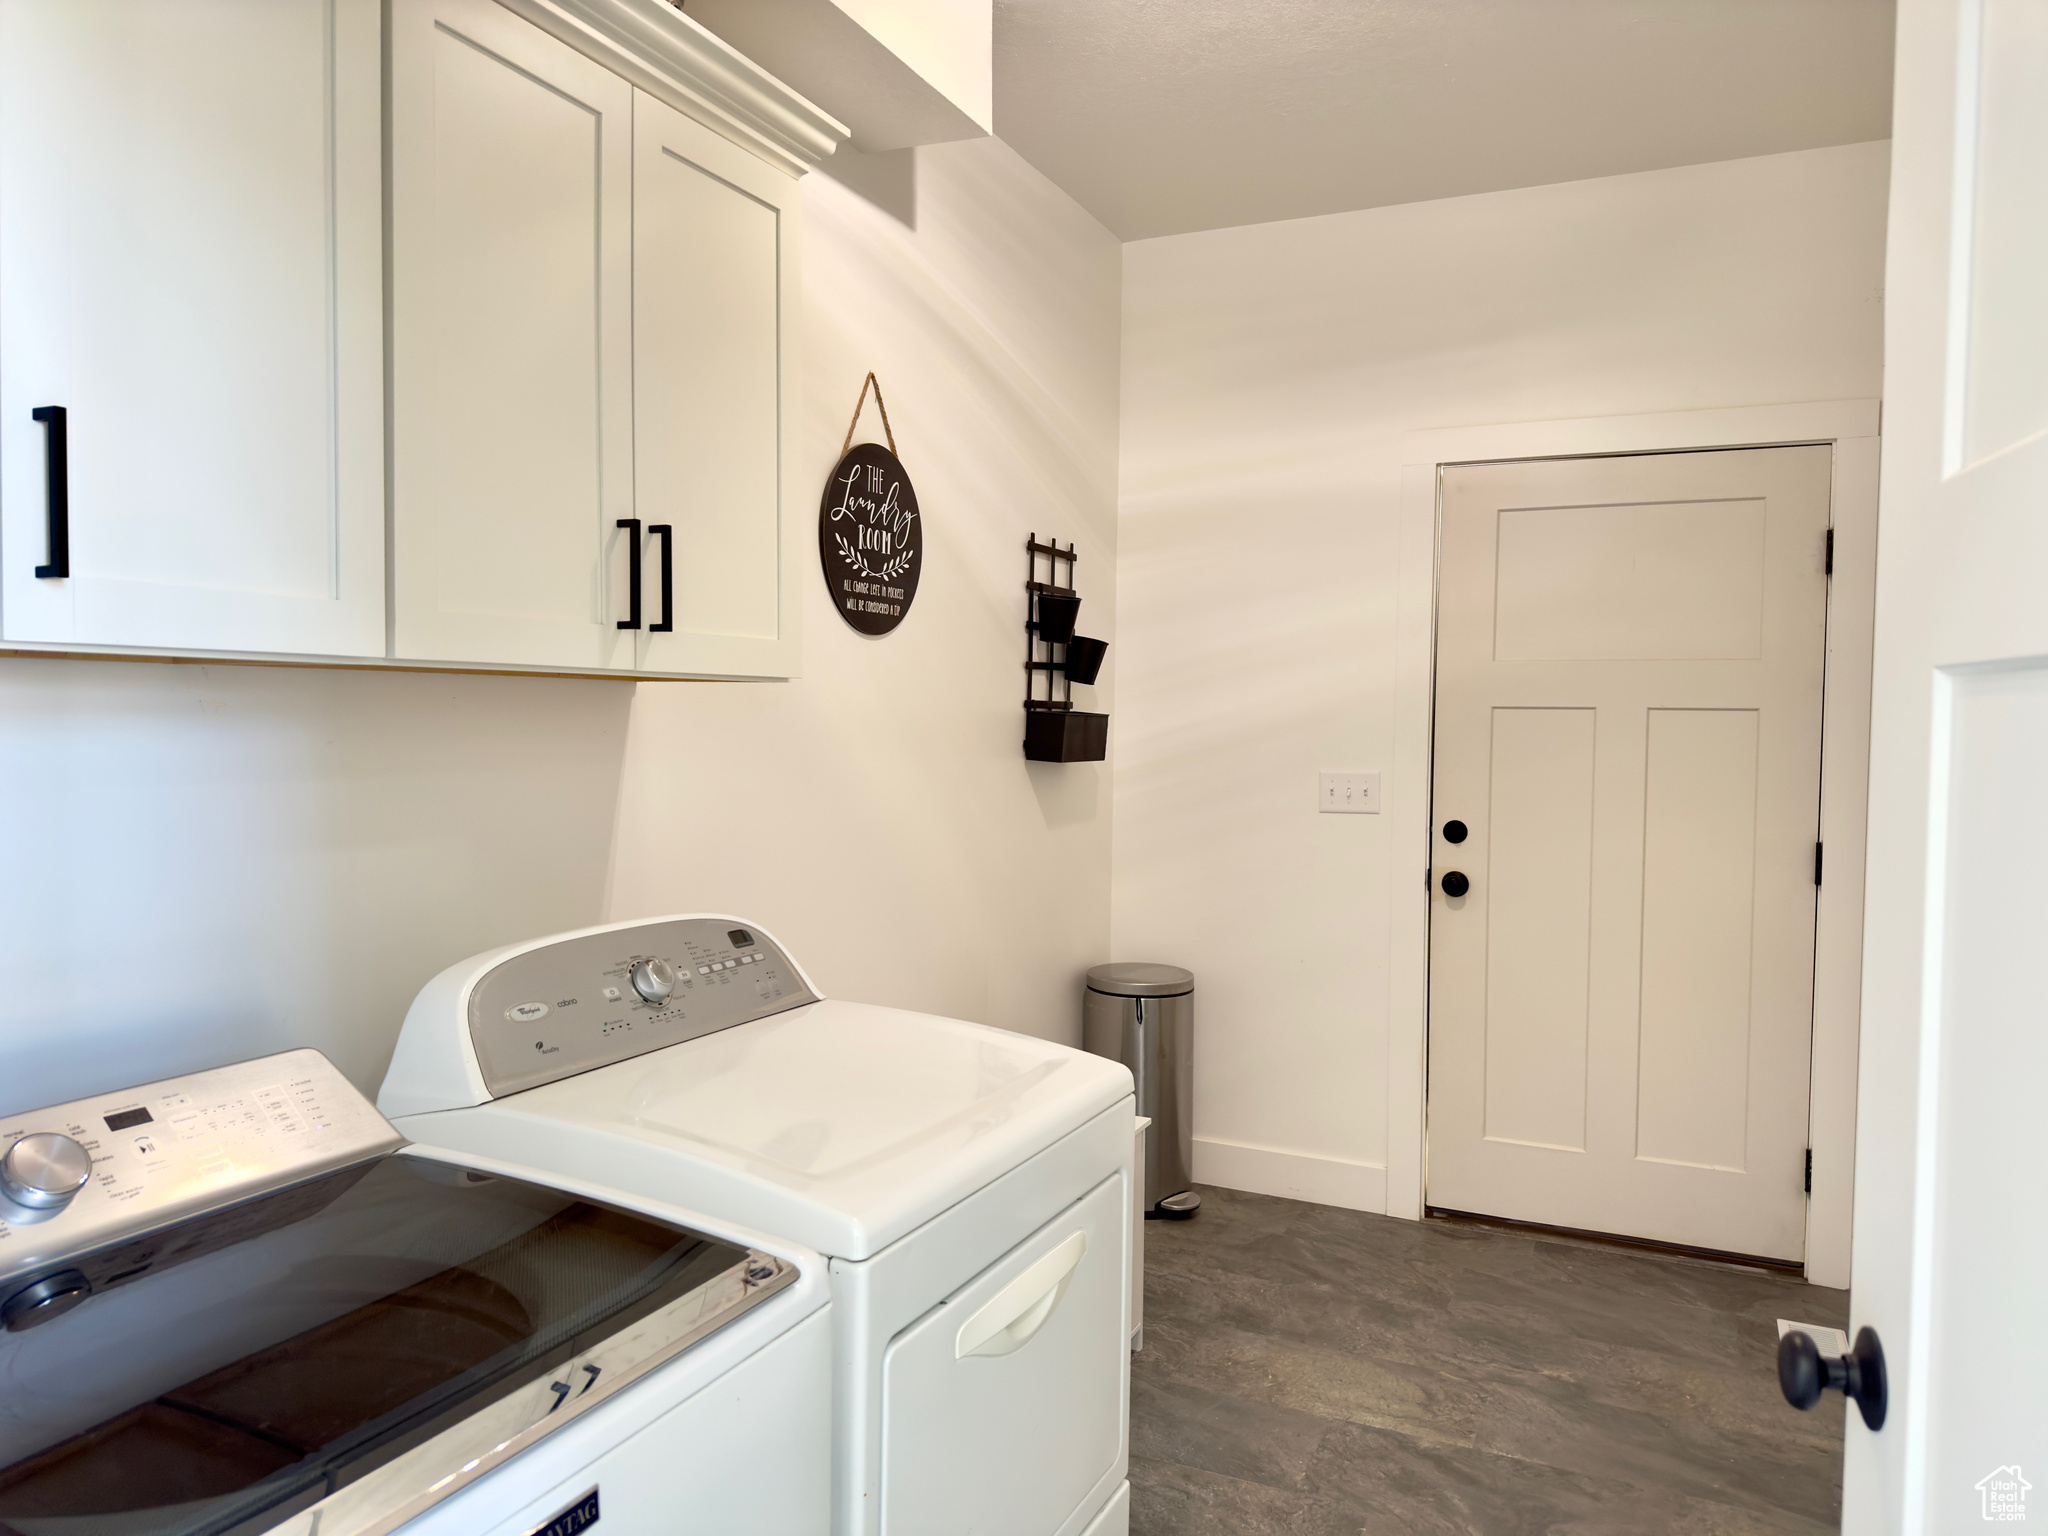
x=970 y=1187
x=235 y=1303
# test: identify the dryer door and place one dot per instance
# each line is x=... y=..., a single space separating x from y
x=1004 y=1407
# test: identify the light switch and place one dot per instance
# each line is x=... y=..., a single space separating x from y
x=1353 y=793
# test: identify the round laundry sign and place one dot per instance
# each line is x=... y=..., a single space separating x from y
x=870 y=539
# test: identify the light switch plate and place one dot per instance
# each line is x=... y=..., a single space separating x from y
x=1348 y=793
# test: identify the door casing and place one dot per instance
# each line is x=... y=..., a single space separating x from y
x=1850 y=427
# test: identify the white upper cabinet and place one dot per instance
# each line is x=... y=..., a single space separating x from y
x=413 y=330
x=592 y=347
x=512 y=341
x=714 y=272
x=190 y=273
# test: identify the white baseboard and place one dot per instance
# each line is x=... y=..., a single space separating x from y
x=1291 y=1175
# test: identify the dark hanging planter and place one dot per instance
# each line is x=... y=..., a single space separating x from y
x=1055 y=731
x=1065 y=736
x=1056 y=617
x=1084 y=659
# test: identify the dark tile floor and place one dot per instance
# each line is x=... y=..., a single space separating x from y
x=1309 y=1370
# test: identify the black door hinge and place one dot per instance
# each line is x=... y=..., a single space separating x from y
x=1816 y=863
x=1809 y=1170
x=1830 y=562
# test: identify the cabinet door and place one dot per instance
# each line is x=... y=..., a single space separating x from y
x=191 y=268
x=714 y=294
x=511 y=273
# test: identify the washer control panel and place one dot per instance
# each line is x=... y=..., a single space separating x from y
x=582 y=1003
x=78 y=1176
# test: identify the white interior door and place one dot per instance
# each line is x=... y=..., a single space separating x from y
x=714 y=263
x=1627 y=774
x=511 y=270
x=191 y=263
x=1951 y=1241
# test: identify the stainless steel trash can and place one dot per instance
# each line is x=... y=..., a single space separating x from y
x=1144 y=1016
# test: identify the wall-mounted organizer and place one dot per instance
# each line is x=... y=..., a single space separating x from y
x=1055 y=731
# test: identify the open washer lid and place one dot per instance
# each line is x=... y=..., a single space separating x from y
x=258 y=1317
x=841 y=1126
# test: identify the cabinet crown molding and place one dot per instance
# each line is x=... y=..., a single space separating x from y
x=674 y=59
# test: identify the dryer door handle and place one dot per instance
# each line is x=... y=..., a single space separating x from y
x=1009 y=1319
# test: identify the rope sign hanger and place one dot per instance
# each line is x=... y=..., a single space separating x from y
x=870 y=536
x=859 y=405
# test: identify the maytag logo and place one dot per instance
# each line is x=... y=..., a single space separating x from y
x=580 y=1516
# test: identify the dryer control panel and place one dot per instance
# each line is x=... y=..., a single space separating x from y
x=582 y=1003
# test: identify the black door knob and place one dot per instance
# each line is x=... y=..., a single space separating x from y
x=1455 y=884
x=1454 y=831
x=1804 y=1373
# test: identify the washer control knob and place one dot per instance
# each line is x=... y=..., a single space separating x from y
x=654 y=980
x=43 y=1170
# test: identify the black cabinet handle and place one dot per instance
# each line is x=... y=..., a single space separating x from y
x=668 y=579
x=1455 y=883
x=57 y=482
x=1804 y=1373
x=632 y=527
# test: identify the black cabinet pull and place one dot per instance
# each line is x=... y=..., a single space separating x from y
x=1455 y=883
x=668 y=579
x=1804 y=1373
x=57 y=482
x=632 y=527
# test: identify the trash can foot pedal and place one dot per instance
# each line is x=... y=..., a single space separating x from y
x=1176 y=1207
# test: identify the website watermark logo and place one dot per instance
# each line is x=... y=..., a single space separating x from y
x=2004 y=1492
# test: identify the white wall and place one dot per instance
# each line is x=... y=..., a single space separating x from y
x=203 y=864
x=1269 y=373
x=878 y=814
x=207 y=863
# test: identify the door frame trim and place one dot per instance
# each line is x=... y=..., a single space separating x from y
x=1850 y=427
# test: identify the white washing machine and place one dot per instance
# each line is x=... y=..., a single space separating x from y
x=235 y=1303
x=970 y=1187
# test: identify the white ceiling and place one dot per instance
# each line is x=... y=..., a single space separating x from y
x=1163 y=116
